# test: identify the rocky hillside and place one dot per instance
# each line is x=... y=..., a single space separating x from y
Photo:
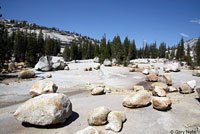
x=192 y=43
x=64 y=36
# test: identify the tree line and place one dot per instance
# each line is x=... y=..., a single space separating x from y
x=25 y=46
x=125 y=51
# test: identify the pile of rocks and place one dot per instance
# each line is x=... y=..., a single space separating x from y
x=48 y=63
x=46 y=108
x=99 y=89
x=13 y=67
x=143 y=98
x=102 y=115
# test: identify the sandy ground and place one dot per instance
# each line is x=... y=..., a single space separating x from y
x=183 y=117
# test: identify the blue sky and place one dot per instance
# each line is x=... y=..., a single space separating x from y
x=149 y=20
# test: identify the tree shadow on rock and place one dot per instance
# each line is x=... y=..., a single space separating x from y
x=68 y=121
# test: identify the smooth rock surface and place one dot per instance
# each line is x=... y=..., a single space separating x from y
x=168 y=79
x=185 y=88
x=173 y=89
x=198 y=90
x=159 y=84
x=145 y=71
x=138 y=88
x=98 y=116
x=88 y=130
x=66 y=68
x=43 y=87
x=25 y=74
x=139 y=99
x=107 y=62
x=152 y=78
x=192 y=83
x=45 y=109
x=44 y=64
x=98 y=91
x=161 y=103
x=115 y=120
x=158 y=91
x=48 y=75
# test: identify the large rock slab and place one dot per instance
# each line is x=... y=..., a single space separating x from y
x=139 y=99
x=185 y=88
x=88 y=130
x=98 y=116
x=25 y=74
x=43 y=87
x=159 y=91
x=115 y=120
x=161 y=103
x=44 y=63
x=45 y=109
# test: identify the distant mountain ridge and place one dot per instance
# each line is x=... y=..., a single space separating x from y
x=192 y=43
x=64 y=36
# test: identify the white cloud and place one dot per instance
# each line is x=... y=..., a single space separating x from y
x=195 y=21
x=184 y=35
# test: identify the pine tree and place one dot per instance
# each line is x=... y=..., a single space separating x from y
x=103 y=49
x=197 y=51
x=172 y=55
x=31 y=54
x=20 y=46
x=66 y=53
x=146 y=51
x=132 y=54
x=74 y=51
x=108 y=50
x=3 y=43
x=182 y=51
x=127 y=45
x=80 y=51
x=40 y=44
x=97 y=52
x=162 y=50
x=188 y=58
